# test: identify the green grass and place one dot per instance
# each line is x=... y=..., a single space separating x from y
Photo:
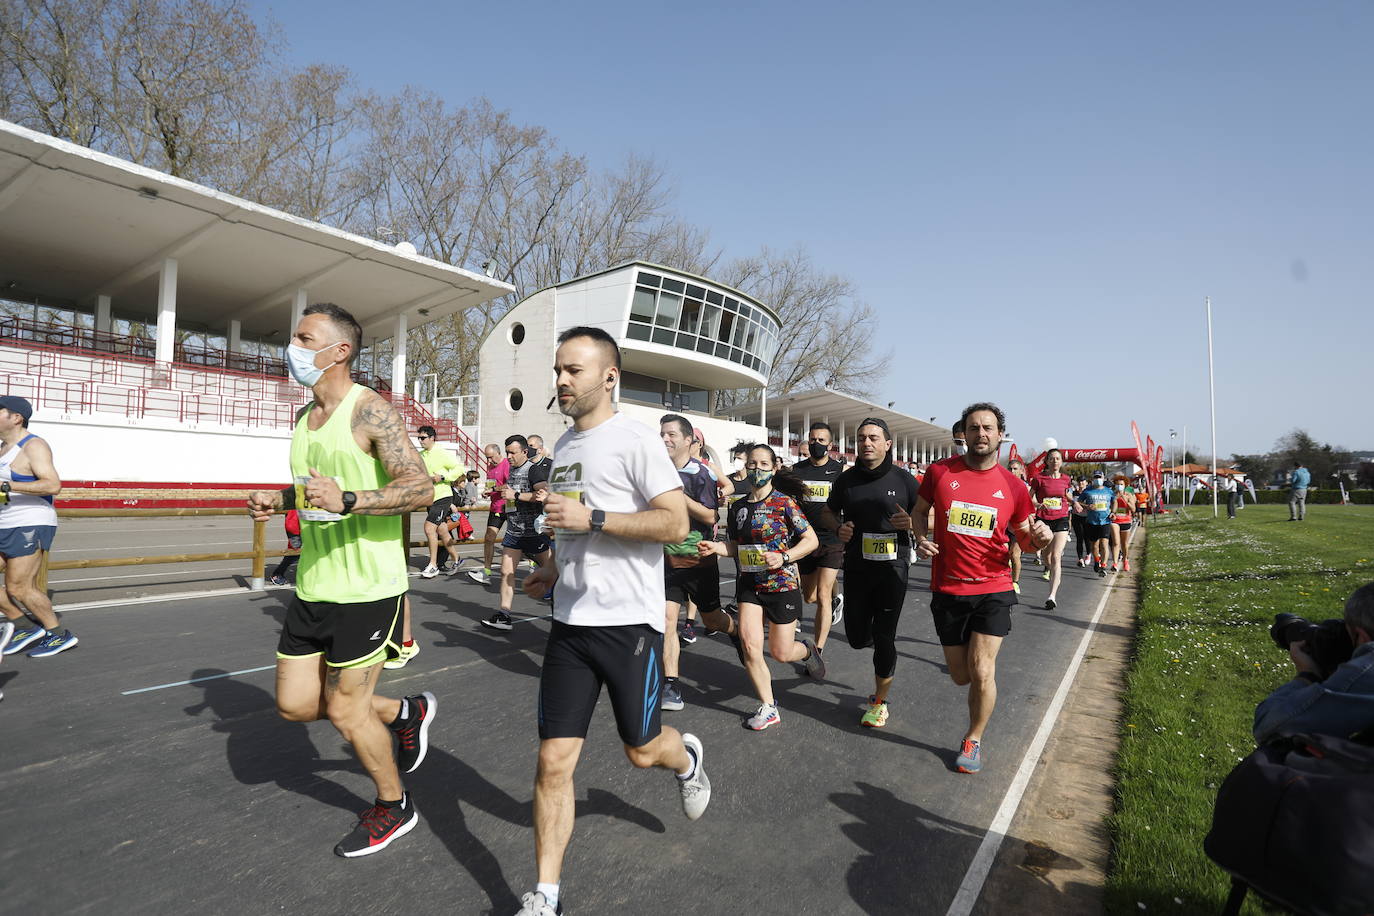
x=1203 y=660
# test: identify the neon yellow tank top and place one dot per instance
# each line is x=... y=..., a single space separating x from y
x=358 y=557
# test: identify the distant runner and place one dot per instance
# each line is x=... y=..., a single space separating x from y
x=820 y=569
x=1050 y=491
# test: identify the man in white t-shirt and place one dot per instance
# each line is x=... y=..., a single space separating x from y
x=615 y=499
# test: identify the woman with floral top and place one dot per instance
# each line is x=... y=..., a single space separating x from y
x=768 y=533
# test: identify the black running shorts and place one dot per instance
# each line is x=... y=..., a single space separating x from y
x=347 y=635
x=496 y=520
x=826 y=556
x=438 y=511
x=1100 y=532
x=578 y=660
x=780 y=607
x=957 y=617
x=531 y=545
x=1056 y=524
x=699 y=584
x=1125 y=526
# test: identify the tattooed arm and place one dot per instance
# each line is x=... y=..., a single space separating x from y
x=377 y=422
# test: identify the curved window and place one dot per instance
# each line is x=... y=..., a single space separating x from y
x=517 y=334
x=686 y=316
x=515 y=400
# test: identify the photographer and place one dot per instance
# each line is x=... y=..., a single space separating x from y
x=1341 y=704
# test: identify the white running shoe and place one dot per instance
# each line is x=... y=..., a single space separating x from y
x=480 y=576
x=696 y=791
x=430 y=572
x=536 y=904
x=836 y=610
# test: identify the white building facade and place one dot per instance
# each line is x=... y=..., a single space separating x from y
x=682 y=338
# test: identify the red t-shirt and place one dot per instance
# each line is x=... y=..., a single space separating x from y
x=973 y=510
x=1053 y=493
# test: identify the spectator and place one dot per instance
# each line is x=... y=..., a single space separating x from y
x=1298 y=482
x=1232 y=490
x=1341 y=705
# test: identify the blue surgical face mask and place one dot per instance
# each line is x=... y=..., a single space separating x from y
x=758 y=478
x=301 y=363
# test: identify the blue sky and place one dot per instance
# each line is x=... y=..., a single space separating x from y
x=1035 y=198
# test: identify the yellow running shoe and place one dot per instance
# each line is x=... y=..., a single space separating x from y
x=407 y=653
x=876 y=714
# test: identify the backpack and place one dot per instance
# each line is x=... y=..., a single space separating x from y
x=1295 y=822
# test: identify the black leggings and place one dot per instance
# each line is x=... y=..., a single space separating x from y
x=873 y=596
x=1080 y=536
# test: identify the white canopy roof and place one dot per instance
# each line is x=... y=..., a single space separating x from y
x=835 y=407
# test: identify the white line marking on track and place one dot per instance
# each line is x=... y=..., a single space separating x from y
x=164 y=574
x=196 y=680
x=977 y=874
x=149 y=599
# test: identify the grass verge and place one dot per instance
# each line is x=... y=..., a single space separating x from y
x=1203 y=661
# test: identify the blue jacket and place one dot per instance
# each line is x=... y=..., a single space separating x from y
x=1341 y=705
x=1300 y=479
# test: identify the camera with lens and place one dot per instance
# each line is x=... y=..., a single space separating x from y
x=1328 y=642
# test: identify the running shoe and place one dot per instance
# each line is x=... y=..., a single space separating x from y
x=836 y=610
x=548 y=597
x=688 y=634
x=480 y=576
x=536 y=904
x=453 y=568
x=412 y=732
x=276 y=580
x=53 y=643
x=970 y=759
x=23 y=638
x=767 y=715
x=499 y=621
x=1016 y=586
x=377 y=827
x=1045 y=575
x=671 y=699
x=430 y=572
x=1113 y=567
x=1126 y=565
x=1050 y=604
x=1101 y=573
x=815 y=665
x=875 y=715
x=695 y=789
x=407 y=653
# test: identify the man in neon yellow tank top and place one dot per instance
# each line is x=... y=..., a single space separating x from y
x=355 y=471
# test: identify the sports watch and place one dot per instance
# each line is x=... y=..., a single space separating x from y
x=598 y=519
x=350 y=499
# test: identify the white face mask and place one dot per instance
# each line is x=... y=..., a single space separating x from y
x=1120 y=487
x=301 y=363
x=961 y=448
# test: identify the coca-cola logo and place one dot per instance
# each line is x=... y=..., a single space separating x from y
x=1099 y=455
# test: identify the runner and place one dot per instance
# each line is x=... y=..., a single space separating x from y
x=768 y=532
x=498 y=469
x=1081 y=541
x=1051 y=493
x=1018 y=470
x=689 y=575
x=869 y=508
x=820 y=568
x=1123 y=517
x=524 y=491
x=1096 y=502
x=28 y=523
x=978 y=506
x=615 y=502
x=355 y=472
x=444 y=469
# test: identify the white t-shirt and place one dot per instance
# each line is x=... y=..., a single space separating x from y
x=605 y=581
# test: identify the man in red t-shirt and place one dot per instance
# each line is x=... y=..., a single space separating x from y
x=977 y=503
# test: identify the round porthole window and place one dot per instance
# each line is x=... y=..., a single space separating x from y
x=517 y=334
x=515 y=400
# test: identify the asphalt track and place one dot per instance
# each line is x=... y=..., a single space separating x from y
x=196 y=798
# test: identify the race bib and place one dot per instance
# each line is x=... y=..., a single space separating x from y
x=817 y=491
x=880 y=546
x=751 y=558
x=1052 y=502
x=972 y=519
x=306 y=511
x=1101 y=505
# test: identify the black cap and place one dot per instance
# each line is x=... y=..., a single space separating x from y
x=15 y=404
x=874 y=421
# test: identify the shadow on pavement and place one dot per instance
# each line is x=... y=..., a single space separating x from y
x=508 y=651
x=1111 y=629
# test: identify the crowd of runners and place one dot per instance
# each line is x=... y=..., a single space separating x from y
x=627 y=531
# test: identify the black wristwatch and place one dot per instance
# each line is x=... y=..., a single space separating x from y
x=5 y=487
x=598 y=519
x=786 y=559
x=350 y=499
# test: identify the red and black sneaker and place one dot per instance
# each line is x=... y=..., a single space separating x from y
x=377 y=827
x=412 y=732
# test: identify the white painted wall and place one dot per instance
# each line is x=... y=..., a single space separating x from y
x=527 y=367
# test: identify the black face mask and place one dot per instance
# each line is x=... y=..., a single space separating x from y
x=816 y=450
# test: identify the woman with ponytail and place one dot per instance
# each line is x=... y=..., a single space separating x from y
x=768 y=533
